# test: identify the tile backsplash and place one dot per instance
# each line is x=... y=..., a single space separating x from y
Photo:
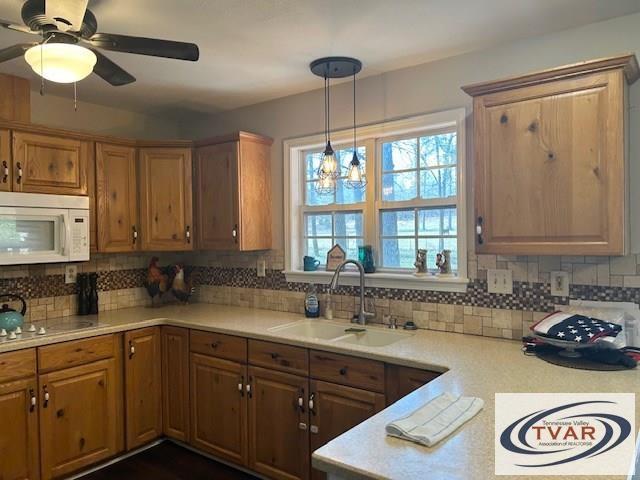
x=231 y=278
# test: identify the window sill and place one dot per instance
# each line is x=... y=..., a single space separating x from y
x=404 y=281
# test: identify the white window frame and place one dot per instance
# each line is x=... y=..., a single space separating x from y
x=372 y=136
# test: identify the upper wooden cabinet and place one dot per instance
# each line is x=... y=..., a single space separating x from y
x=6 y=169
x=550 y=169
x=50 y=164
x=165 y=199
x=116 y=198
x=232 y=191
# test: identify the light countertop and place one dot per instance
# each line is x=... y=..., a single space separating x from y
x=474 y=366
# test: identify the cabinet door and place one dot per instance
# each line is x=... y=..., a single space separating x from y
x=334 y=409
x=143 y=386
x=165 y=198
x=116 y=189
x=550 y=167
x=81 y=422
x=19 y=449
x=219 y=408
x=49 y=164
x=5 y=161
x=175 y=382
x=278 y=424
x=217 y=196
x=401 y=381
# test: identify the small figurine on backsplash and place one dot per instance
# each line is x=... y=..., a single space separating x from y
x=443 y=262
x=421 y=263
x=181 y=286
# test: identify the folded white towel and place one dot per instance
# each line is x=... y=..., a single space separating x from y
x=436 y=419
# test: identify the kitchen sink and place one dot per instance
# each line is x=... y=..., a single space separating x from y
x=374 y=338
x=313 y=329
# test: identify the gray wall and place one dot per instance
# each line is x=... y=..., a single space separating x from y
x=429 y=88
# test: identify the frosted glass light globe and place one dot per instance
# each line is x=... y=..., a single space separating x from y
x=61 y=62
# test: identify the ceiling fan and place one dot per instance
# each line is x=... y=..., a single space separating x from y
x=66 y=26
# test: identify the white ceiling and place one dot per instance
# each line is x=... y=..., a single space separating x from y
x=256 y=50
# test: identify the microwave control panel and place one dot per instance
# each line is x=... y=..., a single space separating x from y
x=79 y=235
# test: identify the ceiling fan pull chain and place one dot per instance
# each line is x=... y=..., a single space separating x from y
x=75 y=96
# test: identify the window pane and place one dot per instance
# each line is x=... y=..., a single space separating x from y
x=437 y=221
x=350 y=246
x=346 y=195
x=400 y=155
x=399 y=186
x=438 y=150
x=348 y=225
x=398 y=252
x=435 y=245
x=438 y=182
x=398 y=222
x=312 y=197
x=318 y=248
x=319 y=225
x=312 y=163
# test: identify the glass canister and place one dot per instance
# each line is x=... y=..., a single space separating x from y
x=365 y=256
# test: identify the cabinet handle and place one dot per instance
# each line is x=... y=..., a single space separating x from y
x=19 y=167
x=32 y=403
x=241 y=386
x=248 y=388
x=46 y=397
x=302 y=426
x=312 y=404
x=134 y=234
x=234 y=233
x=188 y=234
x=314 y=429
x=301 y=400
x=479 y=223
x=5 y=171
x=132 y=350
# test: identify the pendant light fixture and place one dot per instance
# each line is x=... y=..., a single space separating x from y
x=355 y=171
x=328 y=68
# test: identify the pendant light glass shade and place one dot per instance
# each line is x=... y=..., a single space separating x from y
x=61 y=62
x=329 y=164
x=355 y=173
x=325 y=185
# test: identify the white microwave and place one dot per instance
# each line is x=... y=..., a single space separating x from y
x=39 y=228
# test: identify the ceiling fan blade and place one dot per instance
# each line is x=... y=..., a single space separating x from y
x=110 y=72
x=17 y=27
x=14 y=52
x=146 y=46
x=67 y=13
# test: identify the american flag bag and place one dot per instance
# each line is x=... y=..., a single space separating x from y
x=572 y=327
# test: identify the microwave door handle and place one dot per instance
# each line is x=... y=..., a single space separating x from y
x=63 y=235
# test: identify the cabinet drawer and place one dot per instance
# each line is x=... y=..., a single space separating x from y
x=15 y=365
x=346 y=370
x=279 y=357
x=76 y=352
x=219 y=345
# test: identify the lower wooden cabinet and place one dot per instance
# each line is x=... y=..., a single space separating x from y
x=80 y=417
x=19 y=449
x=401 y=381
x=219 y=408
x=278 y=424
x=175 y=383
x=334 y=409
x=143 y=383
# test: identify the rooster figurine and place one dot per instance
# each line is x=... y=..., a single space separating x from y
x=181 y=287
x=158 y=281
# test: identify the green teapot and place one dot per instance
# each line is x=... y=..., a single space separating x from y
x=9 y=318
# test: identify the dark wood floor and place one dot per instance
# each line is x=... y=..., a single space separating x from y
x=168 y=461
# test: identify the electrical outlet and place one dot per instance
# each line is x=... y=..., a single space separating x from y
x=560 y=284
x=499 y=281
x=70 y=273
x=262 y=268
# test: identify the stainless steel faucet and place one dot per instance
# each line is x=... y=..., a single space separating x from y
x=362 y=315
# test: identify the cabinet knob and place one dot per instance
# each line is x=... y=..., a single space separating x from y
x=234 y=233
x=188 y=234
x=248 y=388
x=132 y=349
x=479 y=223
x=312 y=404
x=33 y=400
x=314 y=429
x=19 y=167
x=302 y=426
x=46 y=396
x=241 y=386
x=5 y=171
x=343 y=371
x=134 y=234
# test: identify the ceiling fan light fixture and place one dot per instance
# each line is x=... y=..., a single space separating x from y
x=61 y=62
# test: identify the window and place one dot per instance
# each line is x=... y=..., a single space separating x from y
x=415 y=198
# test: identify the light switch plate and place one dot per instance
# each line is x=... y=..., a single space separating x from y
x=262 y=268
x=70 y=273
x=559 y=284
x=499 y=281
